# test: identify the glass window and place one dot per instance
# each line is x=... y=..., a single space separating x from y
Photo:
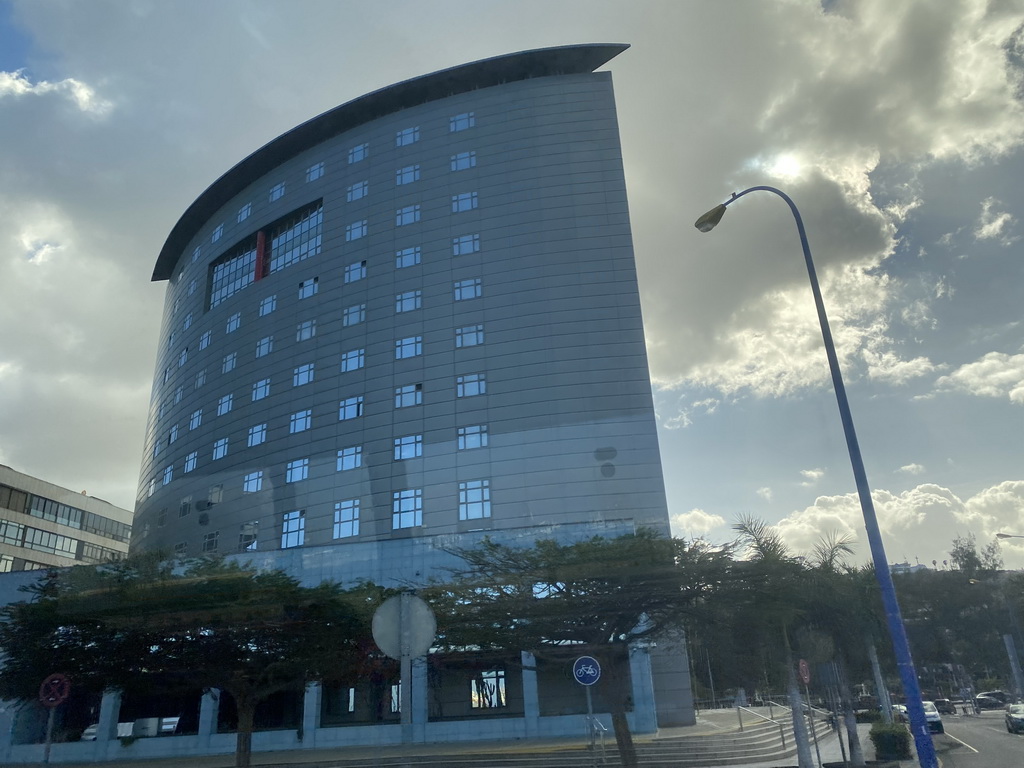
x=465 y=244
x=303 y=374
x=293 y=529
x=353 y=315
x=474 y=499
x=463 y=160
x=355 y=271
x=215 y=495
x=196 y=254
x=356 y=191
x=350 y=408
x=408 y=301
x=190 y=461
x=407 y=175
x=200 y=378
x=469 y=335
x=218 y=232
x=167 y=374
x=224 y=404
x=183 y=357
x=229 y=362
x=462 y=121
x=306 y=330
x=260 y=389
x=464 y=201
x=234 y=322
x=474 y=436
x=314 y=172
x=410 y=394
x=410 y=214
x=407 y=257
x=172 y=435
x=487 y=689
x=210 y=541
x=301 y=421
x=179 y=391
x=253 y=482
x=244 y=212
x=192 y=285
x=407 y=136
x=185 y=506
x=410 y=346
x=220 y=448
x=296 y=470
x=309 y=287
x=196 y=419
x=359 y=152
x=295 y=238
x=181 y=549
x=268 y=305
x=407 y=508
x=353 y=360
x=264 y=346
x=247 y=536
x=346 y=519
x=355 y=230
x=277 y=192
x=233 y=271
x=469 y=385
x=468 y=289
x=350 y=458
x=408 y=447
x=204 y=340
x=168 y=474
x=257 y=435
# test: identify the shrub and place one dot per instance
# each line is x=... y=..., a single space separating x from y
x=891 y=741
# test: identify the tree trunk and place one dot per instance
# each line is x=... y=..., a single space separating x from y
x=243 y=738
x=849 y=716
x=617 y=678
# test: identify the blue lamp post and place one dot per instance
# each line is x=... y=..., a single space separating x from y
x=897 y=632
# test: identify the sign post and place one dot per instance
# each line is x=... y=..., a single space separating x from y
x=403 y=628
x=587 y=670
x=805 y=676
x=52 y=693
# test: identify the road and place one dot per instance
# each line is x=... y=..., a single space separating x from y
x=979 y=742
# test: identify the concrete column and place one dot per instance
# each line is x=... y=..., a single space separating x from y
x=209 y=707
x=311 y=713
x=110 y=708
x=420 y=697
x=531 y=696
x=645 y=716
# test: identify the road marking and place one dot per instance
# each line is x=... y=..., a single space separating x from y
x=954 y=738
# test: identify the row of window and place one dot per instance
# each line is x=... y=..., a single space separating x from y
x=64 y=514
x=406 y=512
x=406 y=447
x=356 y=154
x=20 y=535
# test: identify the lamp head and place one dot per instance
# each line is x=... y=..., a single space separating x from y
x=1005 y=536
x=710 y=220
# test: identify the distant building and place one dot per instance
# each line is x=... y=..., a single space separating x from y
x=43 y=525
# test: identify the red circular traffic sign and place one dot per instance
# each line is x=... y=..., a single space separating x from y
x=54 y=691
x=805 y=671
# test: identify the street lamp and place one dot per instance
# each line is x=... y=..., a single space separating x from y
x=897 y=632
x=1009 y=536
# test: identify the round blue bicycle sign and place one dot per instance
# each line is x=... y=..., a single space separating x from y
x=586 y=670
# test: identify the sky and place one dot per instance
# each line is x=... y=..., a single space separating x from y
x=897 y=128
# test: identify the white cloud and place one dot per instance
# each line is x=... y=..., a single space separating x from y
x=695 y=522
x=888 y=367
x=919 y=523
x=911 y=469
x=765 y=493
x=811 y=476
x=16 y=85
x=994 y=224
x=995 y=375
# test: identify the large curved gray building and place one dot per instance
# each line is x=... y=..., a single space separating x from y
x=415 y=314
x=405 y=324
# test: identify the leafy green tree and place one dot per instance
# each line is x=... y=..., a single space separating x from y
x=209 y=624
x=605 y=593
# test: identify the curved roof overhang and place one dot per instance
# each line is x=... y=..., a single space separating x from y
x=542 y=62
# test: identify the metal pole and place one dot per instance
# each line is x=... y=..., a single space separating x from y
x=405 y=680
x=49 y=735
x=897 y=632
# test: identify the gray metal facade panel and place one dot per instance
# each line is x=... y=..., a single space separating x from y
x=564 y=357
